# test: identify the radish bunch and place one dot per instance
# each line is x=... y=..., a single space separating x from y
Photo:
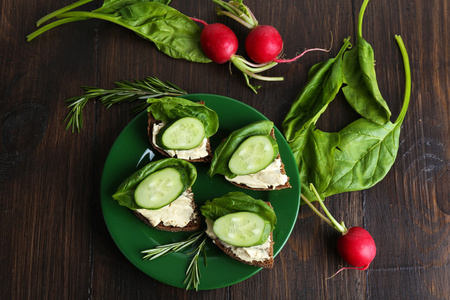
x=356 y=246
x=263 y=43
x=220 y=44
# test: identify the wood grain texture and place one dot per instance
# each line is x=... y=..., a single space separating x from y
x=54 y=243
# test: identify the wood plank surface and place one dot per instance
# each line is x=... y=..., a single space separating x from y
x=54 y=243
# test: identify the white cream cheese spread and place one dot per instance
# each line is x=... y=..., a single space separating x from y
x=253 y=253
x=197 y=152
x=270 y=177
x=178 y=213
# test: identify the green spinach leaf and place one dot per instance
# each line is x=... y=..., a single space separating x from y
x=368 y=150
x=314 y=153
x=361 y=154
x=366 y=153
x=236 y=202
x=112 y=6
x=125 y=192
x=223 y=153
x=169 y=109
x=324 y=83
x=361 y=91
x=173 y=33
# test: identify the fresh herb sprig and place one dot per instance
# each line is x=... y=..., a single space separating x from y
x=125 y=91
x=193 y=270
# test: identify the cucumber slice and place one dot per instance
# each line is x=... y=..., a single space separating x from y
x=183 y=134
x=253 y=155
x=159 y=189
x=242 y=229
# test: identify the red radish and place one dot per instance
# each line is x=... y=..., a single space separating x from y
x=220 y=45
x=263 y=44
x=356 y=246
x=218 y=42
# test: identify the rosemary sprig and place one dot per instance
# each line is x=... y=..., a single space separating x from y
x=126 y=91
x=193 y=270
x=162 y=250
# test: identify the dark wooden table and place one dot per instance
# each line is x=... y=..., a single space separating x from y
x=54 y=241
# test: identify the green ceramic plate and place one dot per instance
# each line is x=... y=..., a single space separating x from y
x=132 y=236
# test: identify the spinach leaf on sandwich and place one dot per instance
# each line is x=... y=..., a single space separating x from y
x=185 y=176
x=170 y=109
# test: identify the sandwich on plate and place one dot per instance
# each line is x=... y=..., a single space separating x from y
x=181 y=128
x=160 y=194
x=249 y=158
x=242 y=227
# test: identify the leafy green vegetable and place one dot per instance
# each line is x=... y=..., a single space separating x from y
x=325 y=80
x=169 y=109
x=223 y=153
x=173 y=33
x=368 y=150
x=236 y=202
x=312 y=148
x=362 y=92
x=125 y=192
x=314 y=153
x=361 y=154
x=112 y=6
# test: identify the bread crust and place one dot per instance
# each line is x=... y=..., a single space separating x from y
x=152 y=121
x=267 y=264
x=193 y=225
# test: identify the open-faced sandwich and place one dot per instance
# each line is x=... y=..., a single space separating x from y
x=160 y=195
x=242 y=227
x=249 y=158
x=181 y=128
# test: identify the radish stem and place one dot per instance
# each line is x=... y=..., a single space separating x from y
x=199 y=21
x=255 y=68
x=240 y=65
x=318 y=213
x=339 y=227
x=237 y=12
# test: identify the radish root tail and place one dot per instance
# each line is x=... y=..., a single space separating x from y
x=363 y=268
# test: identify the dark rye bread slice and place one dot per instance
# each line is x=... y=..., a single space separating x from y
x=152 y=121
x=271 y=188
x=267 y=264
x=193 y=225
